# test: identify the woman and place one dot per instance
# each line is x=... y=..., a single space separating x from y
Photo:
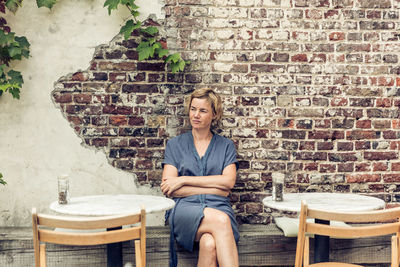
x=199 y=172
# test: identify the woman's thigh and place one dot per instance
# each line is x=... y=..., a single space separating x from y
x=213 y=221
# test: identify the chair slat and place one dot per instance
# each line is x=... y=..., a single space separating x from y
x=86 y=239
x=356 y=217
x=85 y=222
x=352 y=232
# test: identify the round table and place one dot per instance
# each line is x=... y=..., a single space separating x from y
x=101 y=205
x=325 y=201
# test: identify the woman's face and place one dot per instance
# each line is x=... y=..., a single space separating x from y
x=200 y=113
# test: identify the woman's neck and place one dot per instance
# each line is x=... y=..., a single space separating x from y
x=201 y=135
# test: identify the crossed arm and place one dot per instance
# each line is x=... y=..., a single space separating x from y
x=173 y=185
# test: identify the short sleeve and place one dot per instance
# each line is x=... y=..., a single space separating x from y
x=169 y=156
x=230 y=156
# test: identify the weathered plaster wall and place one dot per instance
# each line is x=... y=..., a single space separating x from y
x=37 y=143
x=311 y=88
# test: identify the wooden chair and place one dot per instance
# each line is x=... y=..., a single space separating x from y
x=44 y=232
x=384 y=222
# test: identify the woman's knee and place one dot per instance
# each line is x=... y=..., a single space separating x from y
x=207 y=244
x=218 y=218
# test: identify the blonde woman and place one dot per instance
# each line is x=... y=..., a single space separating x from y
x=199 y=170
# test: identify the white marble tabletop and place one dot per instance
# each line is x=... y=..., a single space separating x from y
x=99 y=205
x=326 y=201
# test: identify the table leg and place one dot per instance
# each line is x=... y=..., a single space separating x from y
x=114 y=252
x=321 y=246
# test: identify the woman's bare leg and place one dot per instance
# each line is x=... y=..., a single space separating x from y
x=218 y=224
x=207 y=252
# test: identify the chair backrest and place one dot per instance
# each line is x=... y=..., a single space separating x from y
x=366 y=224
x=57 y=229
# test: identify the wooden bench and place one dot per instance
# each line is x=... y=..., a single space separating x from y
x=259 y=245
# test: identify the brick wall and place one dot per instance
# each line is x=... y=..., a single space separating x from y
x=311 y=88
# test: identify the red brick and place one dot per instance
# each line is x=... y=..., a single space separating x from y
x=363 y=167
x=79 y=76
x=327 y=135
x=299 y=58
x=363 y=178
x=324 y=145
x=82 y=98
x=391 y=178
x=363 y=124
x=144 y=164
x=379 y=166
x=333 y=13
x=313 y=14
x=345 y=167
x=118 y=120
x=360 y=135
x=361 y=145
x=311 y=156
x=385 y=81
x=381 y=155
x=307 y=145
x=396 y=124
x=395 y=166
x=339 y=101
x=327 y=168
x=62 y=97
x=384 y=102
x=345 y=146
x=337 y=36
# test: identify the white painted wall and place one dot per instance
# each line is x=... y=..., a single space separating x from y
x=36 y=143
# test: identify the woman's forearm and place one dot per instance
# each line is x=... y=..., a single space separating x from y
x=186 y=191
x=225 y=181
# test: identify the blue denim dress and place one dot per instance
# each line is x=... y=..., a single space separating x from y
x=185 y=217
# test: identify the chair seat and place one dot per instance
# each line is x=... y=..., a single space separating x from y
x=290 y=226
x=336 y=264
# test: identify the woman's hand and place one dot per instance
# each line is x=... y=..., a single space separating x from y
x=170 y=184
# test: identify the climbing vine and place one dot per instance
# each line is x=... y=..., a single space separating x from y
x=149 y=47
x=1 y=180
x=14 y=47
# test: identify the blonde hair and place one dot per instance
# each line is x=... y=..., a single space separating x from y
x=212 y=97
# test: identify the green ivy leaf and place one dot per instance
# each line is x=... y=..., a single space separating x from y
x=22 y=41
x=162 y=52
x=150 y=30
x=146 y=52
x=178 y=66
x=142 y=44
x=14 y=52
x=13 y=88
x=15 y=92
x=1 y=180
x=2 y=69
x=156 y=45
x=129 y=27
x=46 y=3
x=135 y=13
x=174 y=58
x=6 y=38
x=13 y=5
x=16 y=77
x=112 y=4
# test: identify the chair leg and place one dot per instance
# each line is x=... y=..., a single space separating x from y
x=138 y=254
x=42 y=254
x=299 y=250
x=395 y=251
x=307 y=252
